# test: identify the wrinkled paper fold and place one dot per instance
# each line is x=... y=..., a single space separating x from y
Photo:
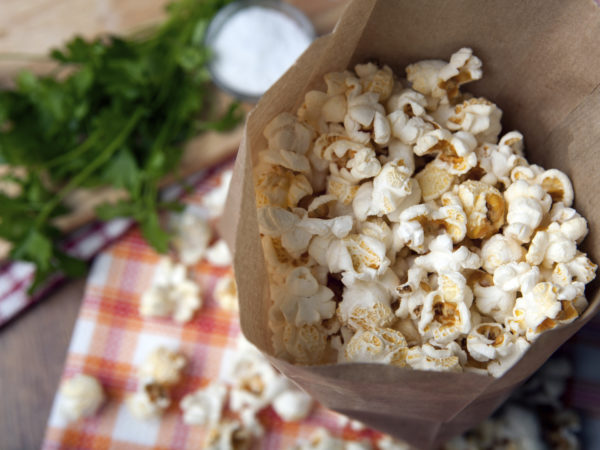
x=541 y=64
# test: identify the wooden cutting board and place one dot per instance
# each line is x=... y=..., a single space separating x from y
x=28 y=29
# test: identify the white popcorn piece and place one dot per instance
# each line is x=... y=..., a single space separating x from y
x=192 y=233
x=377 y=80
x=443 y=258
x=293 y=405
x=226 y=293
x=572 y=225
x=390 y=187
x=80 y=396
x=409 y=129
x=428 y=357
x=443 y=320
x=451 y=217
x=228 y=435
x=484 y=206
x=557 y=185
x=162 y=366
x=204 y=406
x=304 y=301
x=149 y=401
x=534 y=308
x=499 y=250
x=410 y=102
x=366 y=304
x=409 y=330
x=527 y=205
x=508 y=356
x=378 y=228
x=218 y=254
x=310 y=112
x=424 y=76
x=456 y=152
x=287 y=159
x=214 y=200
x=171 y=294
x=490 y=299
x=515 y=276
x=479 y=117
x=572 y=276
x=285 y=132
x=361 y=113
x=462 y=68
x=551 y=246
x=334 y=109
x=409 y=231
x=376 y=345
x=357 y=256
x=498 y=161
x=434 y=180
x=342 y=189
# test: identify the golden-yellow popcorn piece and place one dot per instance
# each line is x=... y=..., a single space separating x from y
x=305 y=344
x=381 y=345
x=277 y=186
x=444 y=320
x=434 y=181
x=462 y=68
x=451 y=217
x=456 y=152
x=558 y=185
x=342 y=189
x=484 y=206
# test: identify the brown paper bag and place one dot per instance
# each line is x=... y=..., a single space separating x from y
x=542 y=67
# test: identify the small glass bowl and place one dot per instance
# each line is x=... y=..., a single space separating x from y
x=228 y=12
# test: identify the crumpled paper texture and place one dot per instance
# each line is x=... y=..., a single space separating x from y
x=542 y=67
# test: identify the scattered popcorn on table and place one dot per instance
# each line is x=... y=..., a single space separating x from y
x=171 y=294
x=322 y=440
x=399 y=226
x=226 y=293
x=204 y=406
x=158 y=373
x=218 y=254
x=80 y=396
x=192 y=234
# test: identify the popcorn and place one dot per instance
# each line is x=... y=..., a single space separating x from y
x=163 y=366
x=293 y=405
x=304 y=301
x=192 y=233
x=428 y=357
x=171 y=294
x=442 y=319
x=204 y=406
x=380 y=345
x=443 y=258
x=214 y=200
x=226 y=293
x=484 y=206
x=434 y=180
x=80 y=396
x=527 y=205
x=388 y=443
x=499 y=250
x=277 y=186
x=218 y=254
x=160 y=371
x=366 y=304
x=479 y=117
x=455 y=151
x=376 y=80
x=399 y=227
x=285 y=132
x=228 y=435
x=357 y=256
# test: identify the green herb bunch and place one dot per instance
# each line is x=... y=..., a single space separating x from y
x=118 y=118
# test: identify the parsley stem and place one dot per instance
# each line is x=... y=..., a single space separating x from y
x=81 y=148
x=89 y=169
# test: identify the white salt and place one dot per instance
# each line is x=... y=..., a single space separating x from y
x=255 y=47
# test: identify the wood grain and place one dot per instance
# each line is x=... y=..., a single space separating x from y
x=33 y=347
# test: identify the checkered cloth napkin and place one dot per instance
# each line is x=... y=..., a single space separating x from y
x=111 y=340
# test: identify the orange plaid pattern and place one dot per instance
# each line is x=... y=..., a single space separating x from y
x=111 y=339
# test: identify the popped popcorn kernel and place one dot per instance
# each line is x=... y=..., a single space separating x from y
x=400 y=226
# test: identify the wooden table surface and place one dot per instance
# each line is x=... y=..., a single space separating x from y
x=33 y=347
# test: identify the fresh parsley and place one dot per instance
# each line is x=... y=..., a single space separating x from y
x=115 y=112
